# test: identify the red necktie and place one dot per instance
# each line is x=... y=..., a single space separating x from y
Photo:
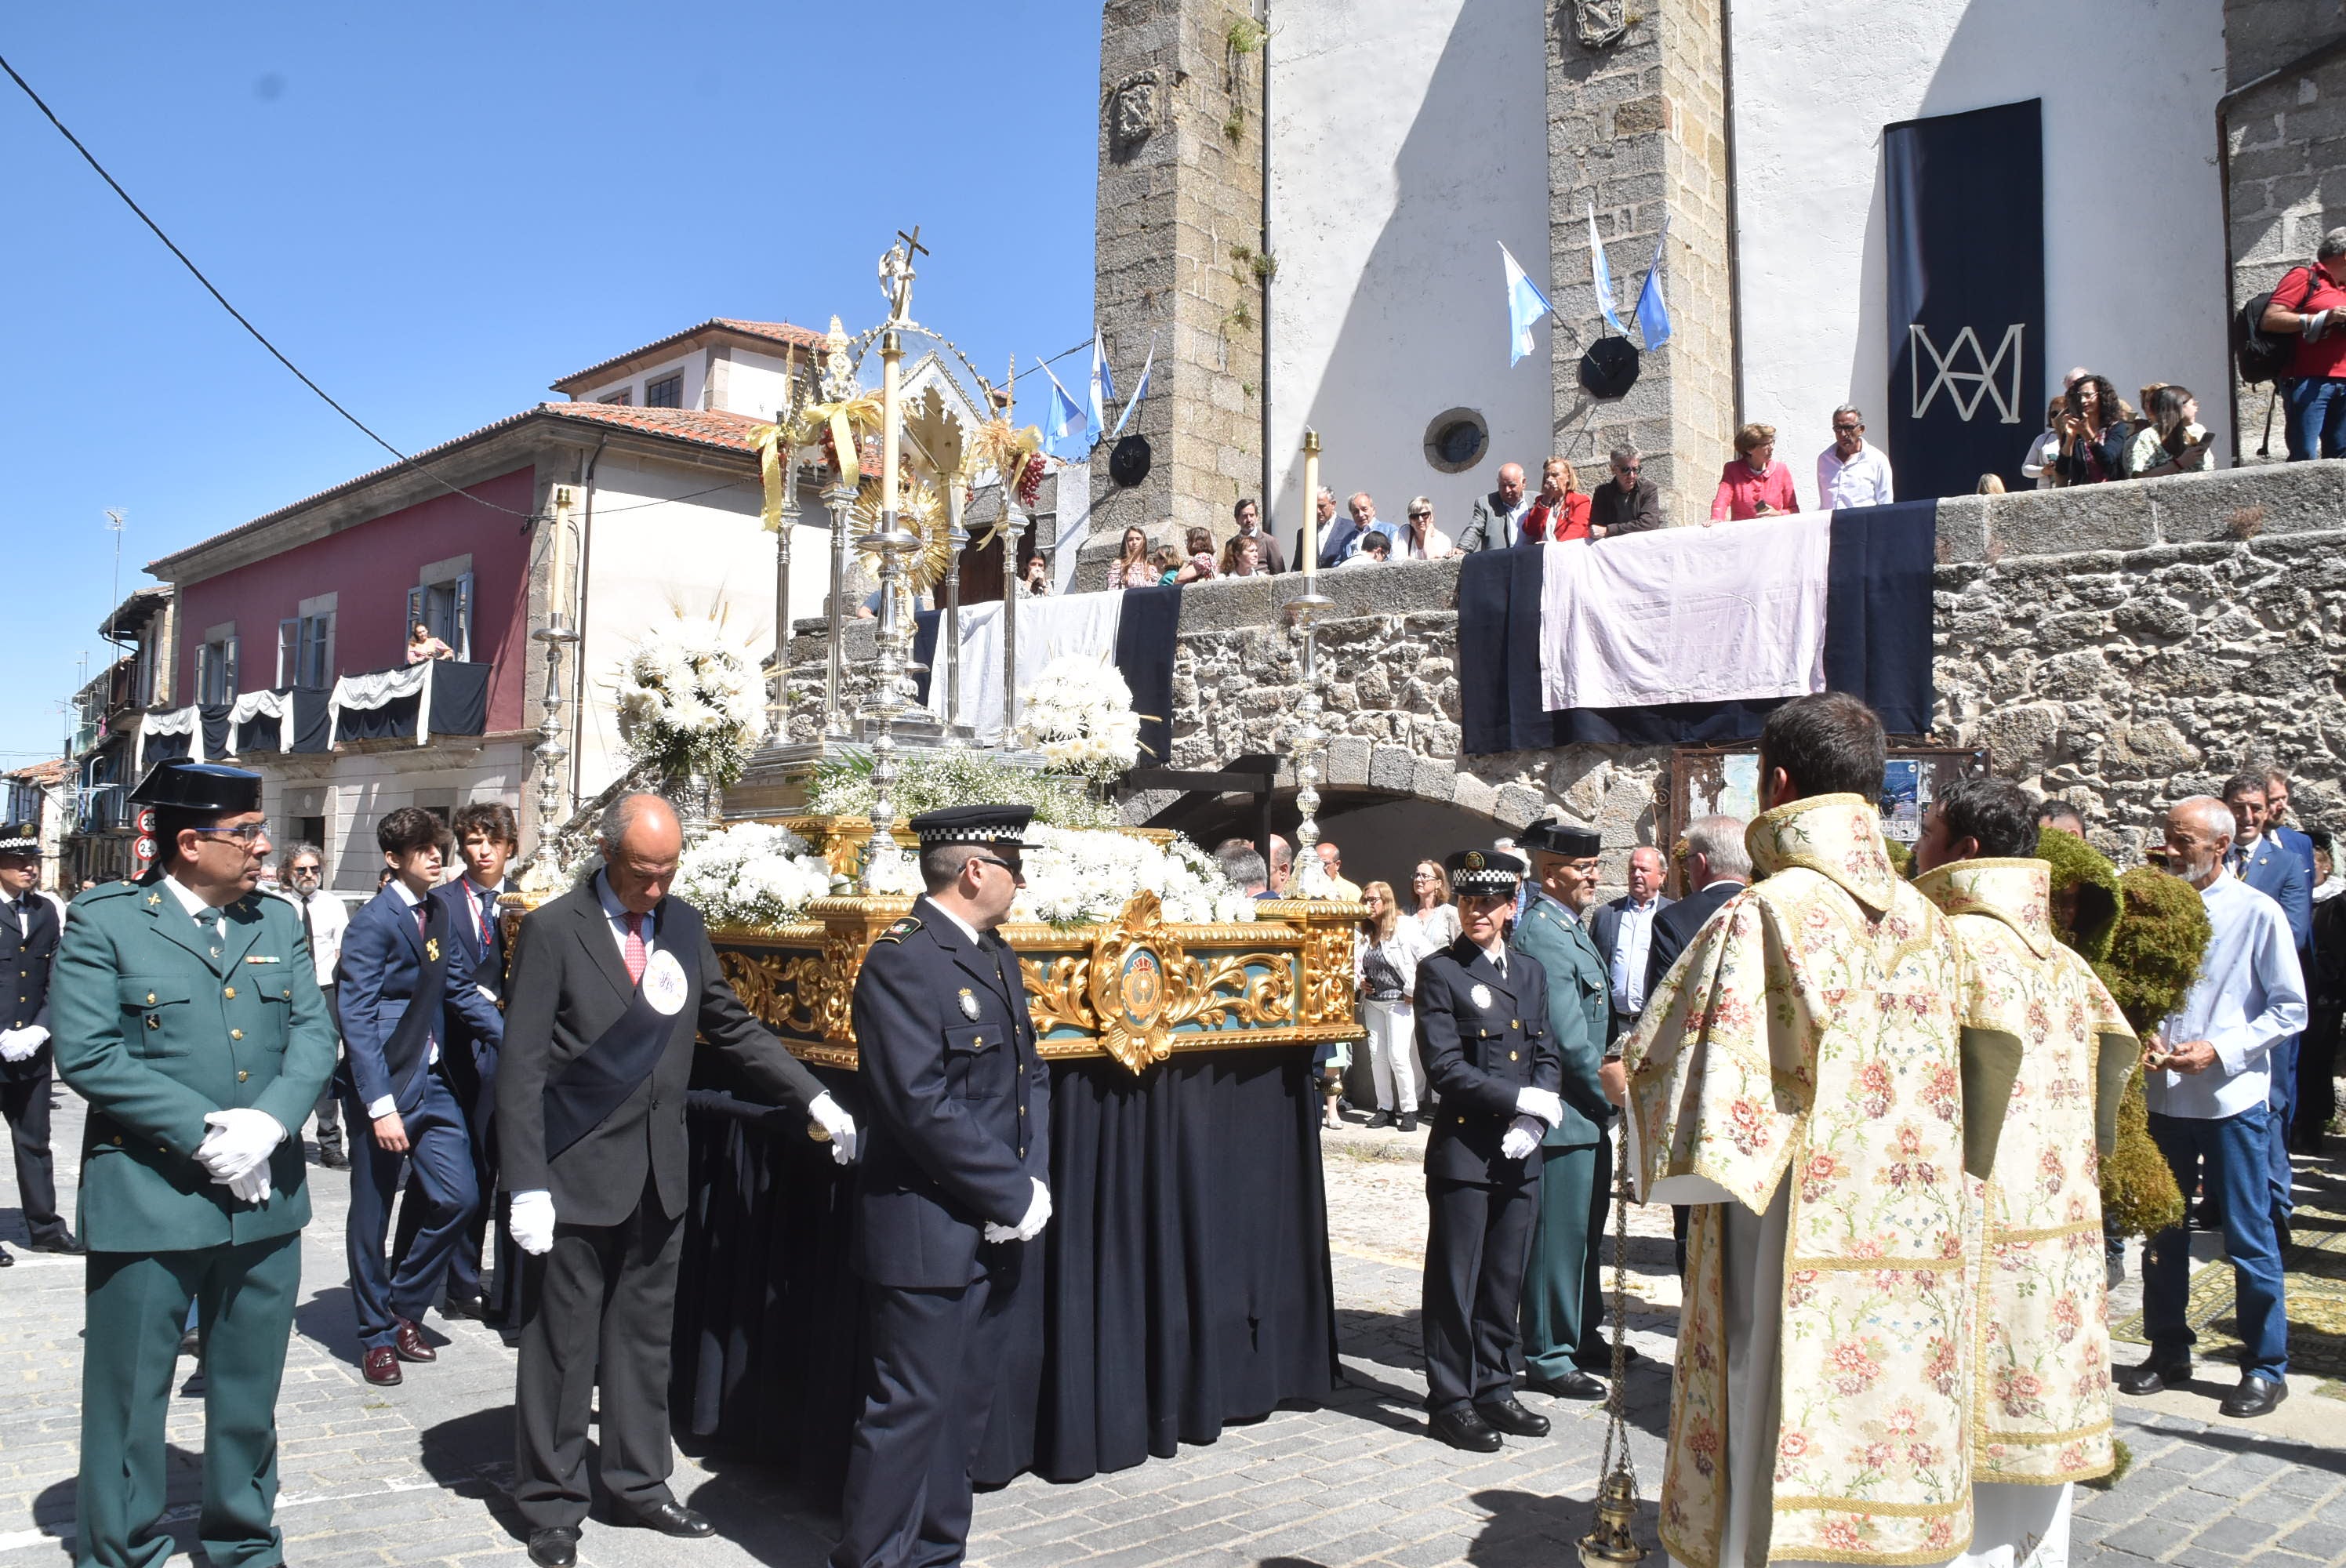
x=422 y=922
x=636 y=956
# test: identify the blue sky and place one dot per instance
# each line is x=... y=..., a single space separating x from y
x=436 y=209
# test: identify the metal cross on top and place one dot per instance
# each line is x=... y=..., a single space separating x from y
x=897 y=274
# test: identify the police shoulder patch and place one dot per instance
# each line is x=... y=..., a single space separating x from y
x=901 y=930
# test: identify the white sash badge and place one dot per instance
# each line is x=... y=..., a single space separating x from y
x=1482 y=995
x=664 y=985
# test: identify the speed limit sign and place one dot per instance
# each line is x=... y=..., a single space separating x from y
x=145 y=822
x=142 y=851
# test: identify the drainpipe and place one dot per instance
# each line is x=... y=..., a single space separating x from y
x=578 y=675
x=1263 y=248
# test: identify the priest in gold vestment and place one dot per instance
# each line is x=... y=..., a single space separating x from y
x=1798 y=1076
x=2046 y=1055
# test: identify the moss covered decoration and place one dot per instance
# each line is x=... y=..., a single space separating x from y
x=2144 y=933
x=1901 y=858
x=2085 y=893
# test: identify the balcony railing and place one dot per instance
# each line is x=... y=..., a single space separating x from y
x=416 y=703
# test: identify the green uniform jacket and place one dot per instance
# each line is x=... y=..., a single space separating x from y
x=156 y=1033
x=1577 y=1012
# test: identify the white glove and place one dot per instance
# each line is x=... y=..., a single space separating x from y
x=252 y=1187
x=1038 y=1215
x=242 y=1138
x=18 y=1044
x=1521 y=1136
x=1545 y=1104
x=2313 y=327
x=827 y=1113
x=532 y=1221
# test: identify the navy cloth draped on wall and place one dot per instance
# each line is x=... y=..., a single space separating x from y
x=1183 y=1283
x=1877 y=644
x=1964 y=212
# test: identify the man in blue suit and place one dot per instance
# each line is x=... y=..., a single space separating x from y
x=2261 y=860
x=403 y=976
x=487 y=838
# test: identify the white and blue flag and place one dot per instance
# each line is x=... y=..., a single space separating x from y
x=1653 y=311
x=1601 y=273
x=1525 y=305
x=1065 y=418
x=1103 y=387
x=1139 y=389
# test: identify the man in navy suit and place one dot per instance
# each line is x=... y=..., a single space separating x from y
x=2277 y=825
x=1624 y=929
x=2261 y=860
x=487 y=836
x=30 y=924
x=403 y=976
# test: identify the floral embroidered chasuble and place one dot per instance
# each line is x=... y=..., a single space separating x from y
x=1800 y=1063
x=2046 y=1055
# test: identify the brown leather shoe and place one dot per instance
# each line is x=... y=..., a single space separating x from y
x=408 y=1340
x=381 y=1367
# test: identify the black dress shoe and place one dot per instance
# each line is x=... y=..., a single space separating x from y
x=333 y=1159
x=555 y=1547
x=1575 y=1384
x=1509 y=1416
x=1600 y=1361
x=2255 y=1396
x=669 y=1518
x=1381 y=1119
x=65 y=1242
x=2152 y=1377
x=8 y=1258
x=475 y=1305
x=1408 y=1123
x=1465 y=1428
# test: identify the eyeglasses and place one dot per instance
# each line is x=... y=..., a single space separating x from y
x=245 y=833
x=1015 y=869
x=1847 y=428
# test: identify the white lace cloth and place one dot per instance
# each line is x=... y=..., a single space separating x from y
x=1048 y=628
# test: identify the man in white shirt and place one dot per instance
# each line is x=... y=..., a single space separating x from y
x=2207 y=1081
x=1624 y=929
x=324 y=918
x=1850 y=472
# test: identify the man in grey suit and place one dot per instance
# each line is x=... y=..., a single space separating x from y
x=1496 y=522
x=609 y=985
x=1624 y=929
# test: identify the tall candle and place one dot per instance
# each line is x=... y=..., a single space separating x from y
x=1310 y=501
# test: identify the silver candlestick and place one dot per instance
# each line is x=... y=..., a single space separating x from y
x=1013 y=528
x=550 y=751
x=1309 y=879
x=956 y=540
x=840 y=497
x=777 y=728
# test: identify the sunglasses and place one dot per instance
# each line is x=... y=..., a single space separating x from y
x=1016 y=868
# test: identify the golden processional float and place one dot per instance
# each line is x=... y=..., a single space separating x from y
x=1184 y=1280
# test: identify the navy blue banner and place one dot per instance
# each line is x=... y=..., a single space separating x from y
x=1964 y=219
x=1877 y=645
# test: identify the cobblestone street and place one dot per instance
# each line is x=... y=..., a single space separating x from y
x=417 y=1474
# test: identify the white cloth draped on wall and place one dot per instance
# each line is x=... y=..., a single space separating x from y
x=379 y=686
x=252 y=705
x=1735 y=612
x=1049 y=628
x=184 y=721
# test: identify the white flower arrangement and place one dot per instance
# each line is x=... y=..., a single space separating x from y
x=751 y=874
x=1080 y=876
x=691 y=699
x=1078 y=714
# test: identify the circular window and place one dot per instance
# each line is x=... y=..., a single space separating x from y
x=1456 y=441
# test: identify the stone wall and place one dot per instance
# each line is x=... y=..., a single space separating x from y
x=1180 y=216
x=2120 y=646
x=1639 y=127
x=2284 y=142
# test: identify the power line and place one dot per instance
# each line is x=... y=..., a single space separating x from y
x=257 y=336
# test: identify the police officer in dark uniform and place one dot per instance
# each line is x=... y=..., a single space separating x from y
x=188 y=1014
x=956 y=1147
x=30 y=924
x=1482 y=1035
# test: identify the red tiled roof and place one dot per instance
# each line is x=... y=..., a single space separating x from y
x=772 y=332
x=697 y=427
x=49 y=772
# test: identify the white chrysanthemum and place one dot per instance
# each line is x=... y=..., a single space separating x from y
x=1079 y=715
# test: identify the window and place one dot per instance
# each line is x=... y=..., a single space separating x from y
x=142 y=674
x=216 y=672
x=620 y=399
x=1455 y=441
x=666 y=392
x=305 y=817
x=447 y=608
x=305 y=650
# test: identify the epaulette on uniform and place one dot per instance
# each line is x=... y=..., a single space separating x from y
x=901 y=930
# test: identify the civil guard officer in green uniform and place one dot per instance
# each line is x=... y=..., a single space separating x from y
x=1562 y=1294
x=186 y=1013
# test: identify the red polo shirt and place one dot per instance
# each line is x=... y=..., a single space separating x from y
x=2327 y=358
